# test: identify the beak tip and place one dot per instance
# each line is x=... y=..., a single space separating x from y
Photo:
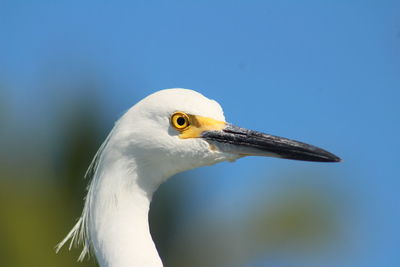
x=333 y=158
x=338 y=159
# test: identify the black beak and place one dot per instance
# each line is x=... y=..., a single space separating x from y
x=233 y=139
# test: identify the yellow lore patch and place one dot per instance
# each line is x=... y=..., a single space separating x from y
x=199 y=124
x=195 y=125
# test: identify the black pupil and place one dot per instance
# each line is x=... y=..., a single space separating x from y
x=181 y=121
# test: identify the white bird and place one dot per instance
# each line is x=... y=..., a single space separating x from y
x=168 y=132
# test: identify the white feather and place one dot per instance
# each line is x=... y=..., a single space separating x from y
x=140 y=153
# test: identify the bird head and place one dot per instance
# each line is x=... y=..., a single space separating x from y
x=181 y=129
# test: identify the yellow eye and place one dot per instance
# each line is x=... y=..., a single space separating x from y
x=180 y=121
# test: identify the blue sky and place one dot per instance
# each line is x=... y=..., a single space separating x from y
x=324 y=73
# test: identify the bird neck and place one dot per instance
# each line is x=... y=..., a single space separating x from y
x=118 y=203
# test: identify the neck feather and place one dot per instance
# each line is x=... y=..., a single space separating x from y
x=118 y=217
x=114 y=222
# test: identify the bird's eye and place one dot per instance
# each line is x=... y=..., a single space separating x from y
x=180 y=121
